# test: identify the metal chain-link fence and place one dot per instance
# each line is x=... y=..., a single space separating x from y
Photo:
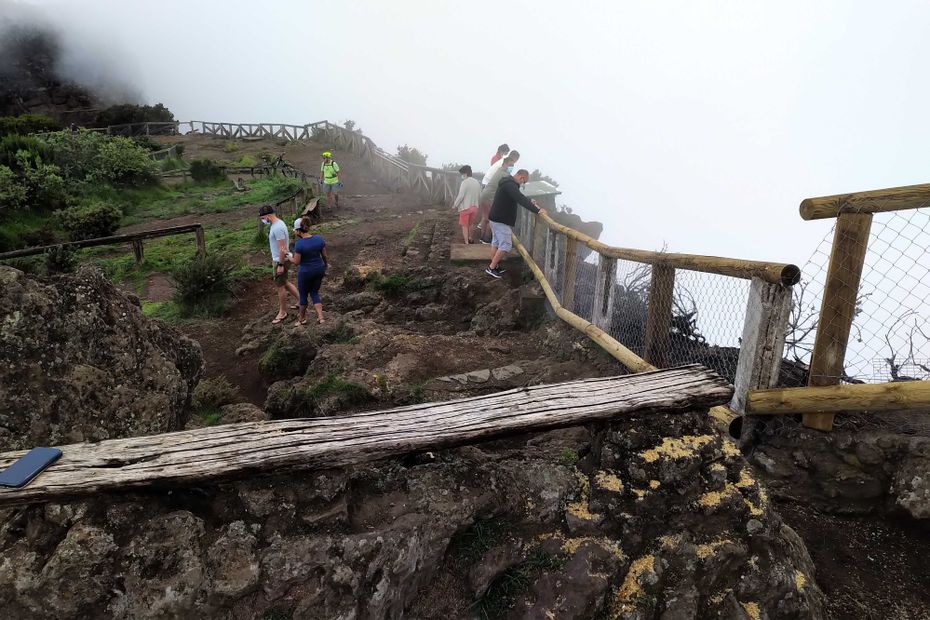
x=890 y=336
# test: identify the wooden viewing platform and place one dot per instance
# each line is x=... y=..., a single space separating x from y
x=263 y=448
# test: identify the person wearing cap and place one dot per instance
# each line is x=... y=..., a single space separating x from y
x=312 y=260
x=278 y=242
x=329 y=178
x=466 y=202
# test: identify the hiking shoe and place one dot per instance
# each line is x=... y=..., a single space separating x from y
x=501 y=270
x=494 y=273
x=483 y=242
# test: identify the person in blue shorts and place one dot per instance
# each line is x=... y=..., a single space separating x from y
x=310 y=256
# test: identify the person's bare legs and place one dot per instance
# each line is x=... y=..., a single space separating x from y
x=497 y=258
x=282 y=301
x=292 y=290
x=319 y=313
x=301 y=316
x=466 y=234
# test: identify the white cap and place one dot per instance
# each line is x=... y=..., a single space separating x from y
x=297 y=223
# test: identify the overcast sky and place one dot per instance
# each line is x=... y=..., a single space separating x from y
x=697 y=124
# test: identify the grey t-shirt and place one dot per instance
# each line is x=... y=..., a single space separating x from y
x=277 y=232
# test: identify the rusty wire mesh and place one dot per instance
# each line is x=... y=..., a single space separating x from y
x=890 y=336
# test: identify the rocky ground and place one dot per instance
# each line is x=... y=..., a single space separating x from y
x=655 y=516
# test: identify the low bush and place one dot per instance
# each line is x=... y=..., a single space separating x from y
x=60 y=259
x=131 y=113
x=202 y=286
x=231 y=146
x=287 y=357
x=13 y=194
x=26 y=124
x=211 y=394
x=392 y=286
x=91 y=220
x=206 y=171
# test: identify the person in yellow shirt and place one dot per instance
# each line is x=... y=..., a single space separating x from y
x=330 y=182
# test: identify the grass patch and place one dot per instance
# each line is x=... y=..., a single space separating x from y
x=503 y=591
x=167 y=311
x=409 y=239
x=477 y=540
x=334 y=385
x=569 y=456
x=166 y=202
x=392 y=286
x=343 y=334
x=211 y=417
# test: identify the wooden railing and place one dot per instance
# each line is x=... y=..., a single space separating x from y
x=133 y=239
x=554 y=247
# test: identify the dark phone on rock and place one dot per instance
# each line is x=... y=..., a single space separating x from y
x=28 y=467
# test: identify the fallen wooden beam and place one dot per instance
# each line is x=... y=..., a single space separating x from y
x=263 y=448
x=866 y=398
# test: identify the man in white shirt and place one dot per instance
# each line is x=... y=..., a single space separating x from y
x=466 y=203
x=278 y=243
x=514 y=156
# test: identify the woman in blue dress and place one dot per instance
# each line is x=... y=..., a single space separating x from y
x=310 y=256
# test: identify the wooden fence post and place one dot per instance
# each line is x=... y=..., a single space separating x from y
x=659 y=315
x=762 y=346
x=539 y=241
x=552 y=267
x=137 y=250
x=847 y=258
x=569 y=263
x=604 y=292
x=201 y=243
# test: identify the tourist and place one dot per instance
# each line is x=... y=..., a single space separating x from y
x=497 y=165
x=310 y=255
x=487 y=194
x=502 y=152
x=329 y=179
x=503 y=217
x=278 y=242
x=466 y=203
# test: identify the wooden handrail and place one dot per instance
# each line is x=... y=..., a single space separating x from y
x=775 y=273
x=865 y=398
x=723 y=415
x=874 y=201
x=197 y=229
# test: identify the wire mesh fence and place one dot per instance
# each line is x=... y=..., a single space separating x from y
x=705 y=312
x=890 y=336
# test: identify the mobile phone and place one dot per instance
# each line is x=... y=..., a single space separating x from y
x=28 y=467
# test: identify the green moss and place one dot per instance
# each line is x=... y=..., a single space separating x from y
x=569 y=456
x=477 y=540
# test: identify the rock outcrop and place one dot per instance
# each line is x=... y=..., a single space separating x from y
x=79 y=361
x=858 y=471
x=655 y=516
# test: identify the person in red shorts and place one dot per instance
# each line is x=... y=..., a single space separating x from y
x=466 y=202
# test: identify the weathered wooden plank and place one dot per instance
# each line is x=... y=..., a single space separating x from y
x=569 y=264
x=838 y=309
x=224 y=452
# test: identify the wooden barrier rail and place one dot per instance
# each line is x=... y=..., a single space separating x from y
x=864 y=398
x=231 y=450
x=874 y=201
x=133 y=239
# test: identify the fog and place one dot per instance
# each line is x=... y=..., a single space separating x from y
x=698 y=125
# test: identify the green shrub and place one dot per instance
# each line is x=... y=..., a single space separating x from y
x=122 y=162
x=203 y=285
x=206 y=171
x=26 y=124
x=131 y=113
x=14 y=148
x=392 y=286
x=211 y=394
x=179 y=149
x=172 y=163
x=247 y=161
x=91 y=220
x=47 y=189
x=231 y=146
x=287 y=357
x=13 y=194
x=60 y=259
